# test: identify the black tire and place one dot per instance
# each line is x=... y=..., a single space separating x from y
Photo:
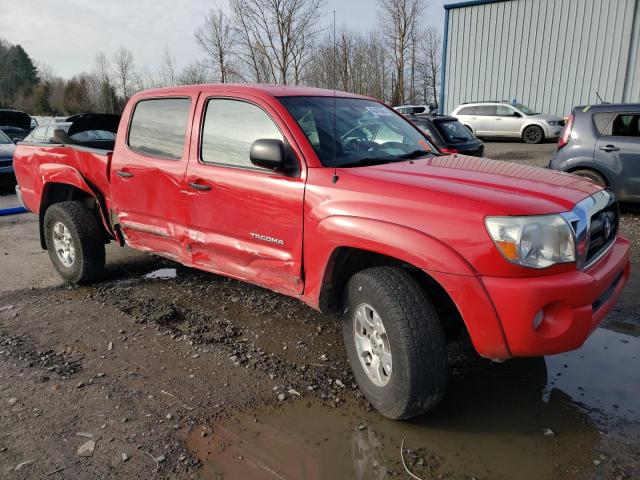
x=86 y=238
x=533 y=134
x=419 y=371
x=595 y=177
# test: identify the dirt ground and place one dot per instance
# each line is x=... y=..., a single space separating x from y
x=167 y=372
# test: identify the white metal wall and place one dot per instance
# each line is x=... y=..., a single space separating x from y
x=548 y=54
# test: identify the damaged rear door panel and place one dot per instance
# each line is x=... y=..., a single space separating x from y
x=148 y=174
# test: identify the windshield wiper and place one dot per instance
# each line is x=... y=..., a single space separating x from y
x=370 y=161
x=414 y=154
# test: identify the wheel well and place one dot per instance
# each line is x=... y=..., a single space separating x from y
x=591 y=169
x=347 y=261
x=533 y=125
x=62 y=192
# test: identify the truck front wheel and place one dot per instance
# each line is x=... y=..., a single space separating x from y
x=394 y=341
x=74 y=241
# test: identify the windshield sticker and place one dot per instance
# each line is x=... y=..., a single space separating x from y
x=379 y=111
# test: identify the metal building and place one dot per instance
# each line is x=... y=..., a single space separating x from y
x=548 y=54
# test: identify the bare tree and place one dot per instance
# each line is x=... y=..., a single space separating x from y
x=431 y=51
x=360 y=64
x=168 y=74
x=101 y=87
x=124 y=71
x=399 y=20
x=193 y=74
x=277 y=36
x=216 y=38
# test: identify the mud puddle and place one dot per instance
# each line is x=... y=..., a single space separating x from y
x=570 y=416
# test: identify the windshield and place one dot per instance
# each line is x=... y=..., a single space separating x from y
x=4 y=139
x=453 y=131
x=361 y=132
x=526 y=110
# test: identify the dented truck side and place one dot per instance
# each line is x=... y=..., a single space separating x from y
x=399 y=249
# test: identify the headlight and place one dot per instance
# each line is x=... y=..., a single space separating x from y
x=553 y=123
x=536 y=241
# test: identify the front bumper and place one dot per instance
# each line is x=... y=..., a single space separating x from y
x=573 y=303
x=553 y=132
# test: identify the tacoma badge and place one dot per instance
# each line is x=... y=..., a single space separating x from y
x=264 y=238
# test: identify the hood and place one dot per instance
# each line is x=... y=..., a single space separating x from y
x=15 y=118
x=502 y=188
x=545 y=118
x=93 y=121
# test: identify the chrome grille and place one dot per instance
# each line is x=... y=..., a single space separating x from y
x=602 y=231
x=595 y=223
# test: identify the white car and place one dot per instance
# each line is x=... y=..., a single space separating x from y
x=503 y=119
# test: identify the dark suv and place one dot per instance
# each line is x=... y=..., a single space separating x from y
x=448 y=134
x=602 y=142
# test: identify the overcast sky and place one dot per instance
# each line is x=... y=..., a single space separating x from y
x=65 y=34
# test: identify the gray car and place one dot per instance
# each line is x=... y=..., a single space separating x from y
x=504 y=119
x=602 y=142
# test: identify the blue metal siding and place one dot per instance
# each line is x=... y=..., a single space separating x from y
x=549 y=54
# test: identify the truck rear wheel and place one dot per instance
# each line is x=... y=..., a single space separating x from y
x=394 y=341
x=74 y=241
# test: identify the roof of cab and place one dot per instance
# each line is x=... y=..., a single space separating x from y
x=250 y=88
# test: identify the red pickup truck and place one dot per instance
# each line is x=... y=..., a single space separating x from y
x=339 y=201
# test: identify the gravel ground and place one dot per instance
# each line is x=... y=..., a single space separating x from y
x=197 y=376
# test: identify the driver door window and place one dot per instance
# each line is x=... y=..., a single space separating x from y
x=230 y=128
x=507 y=121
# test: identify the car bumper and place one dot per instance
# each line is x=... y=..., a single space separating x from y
x=554 y=132
x=573 y=304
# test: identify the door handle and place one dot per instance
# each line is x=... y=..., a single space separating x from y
x=610 y=148
x=200 y=187
x=124 y=174
x=498 y=118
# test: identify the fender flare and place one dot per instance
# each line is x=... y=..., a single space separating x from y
x=588 y=164
x=438 y=260
x=385 y=238
x=51 y=173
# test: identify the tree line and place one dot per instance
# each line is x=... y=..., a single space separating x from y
x=262 y=41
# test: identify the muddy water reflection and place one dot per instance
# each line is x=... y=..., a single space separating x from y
x=490 y=426
x=162 y=274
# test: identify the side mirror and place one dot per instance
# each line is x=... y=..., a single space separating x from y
x=268 y=153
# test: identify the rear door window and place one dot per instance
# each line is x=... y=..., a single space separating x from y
x=467 y=111
x=158 y=127
x=486 y=110
x=626 y=125
x=454 y=132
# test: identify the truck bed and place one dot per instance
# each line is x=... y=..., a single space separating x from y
x=33 y=160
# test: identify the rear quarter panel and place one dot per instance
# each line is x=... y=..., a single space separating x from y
x=37 y=165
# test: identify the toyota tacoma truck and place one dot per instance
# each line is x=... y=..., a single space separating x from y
x=339 y=201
